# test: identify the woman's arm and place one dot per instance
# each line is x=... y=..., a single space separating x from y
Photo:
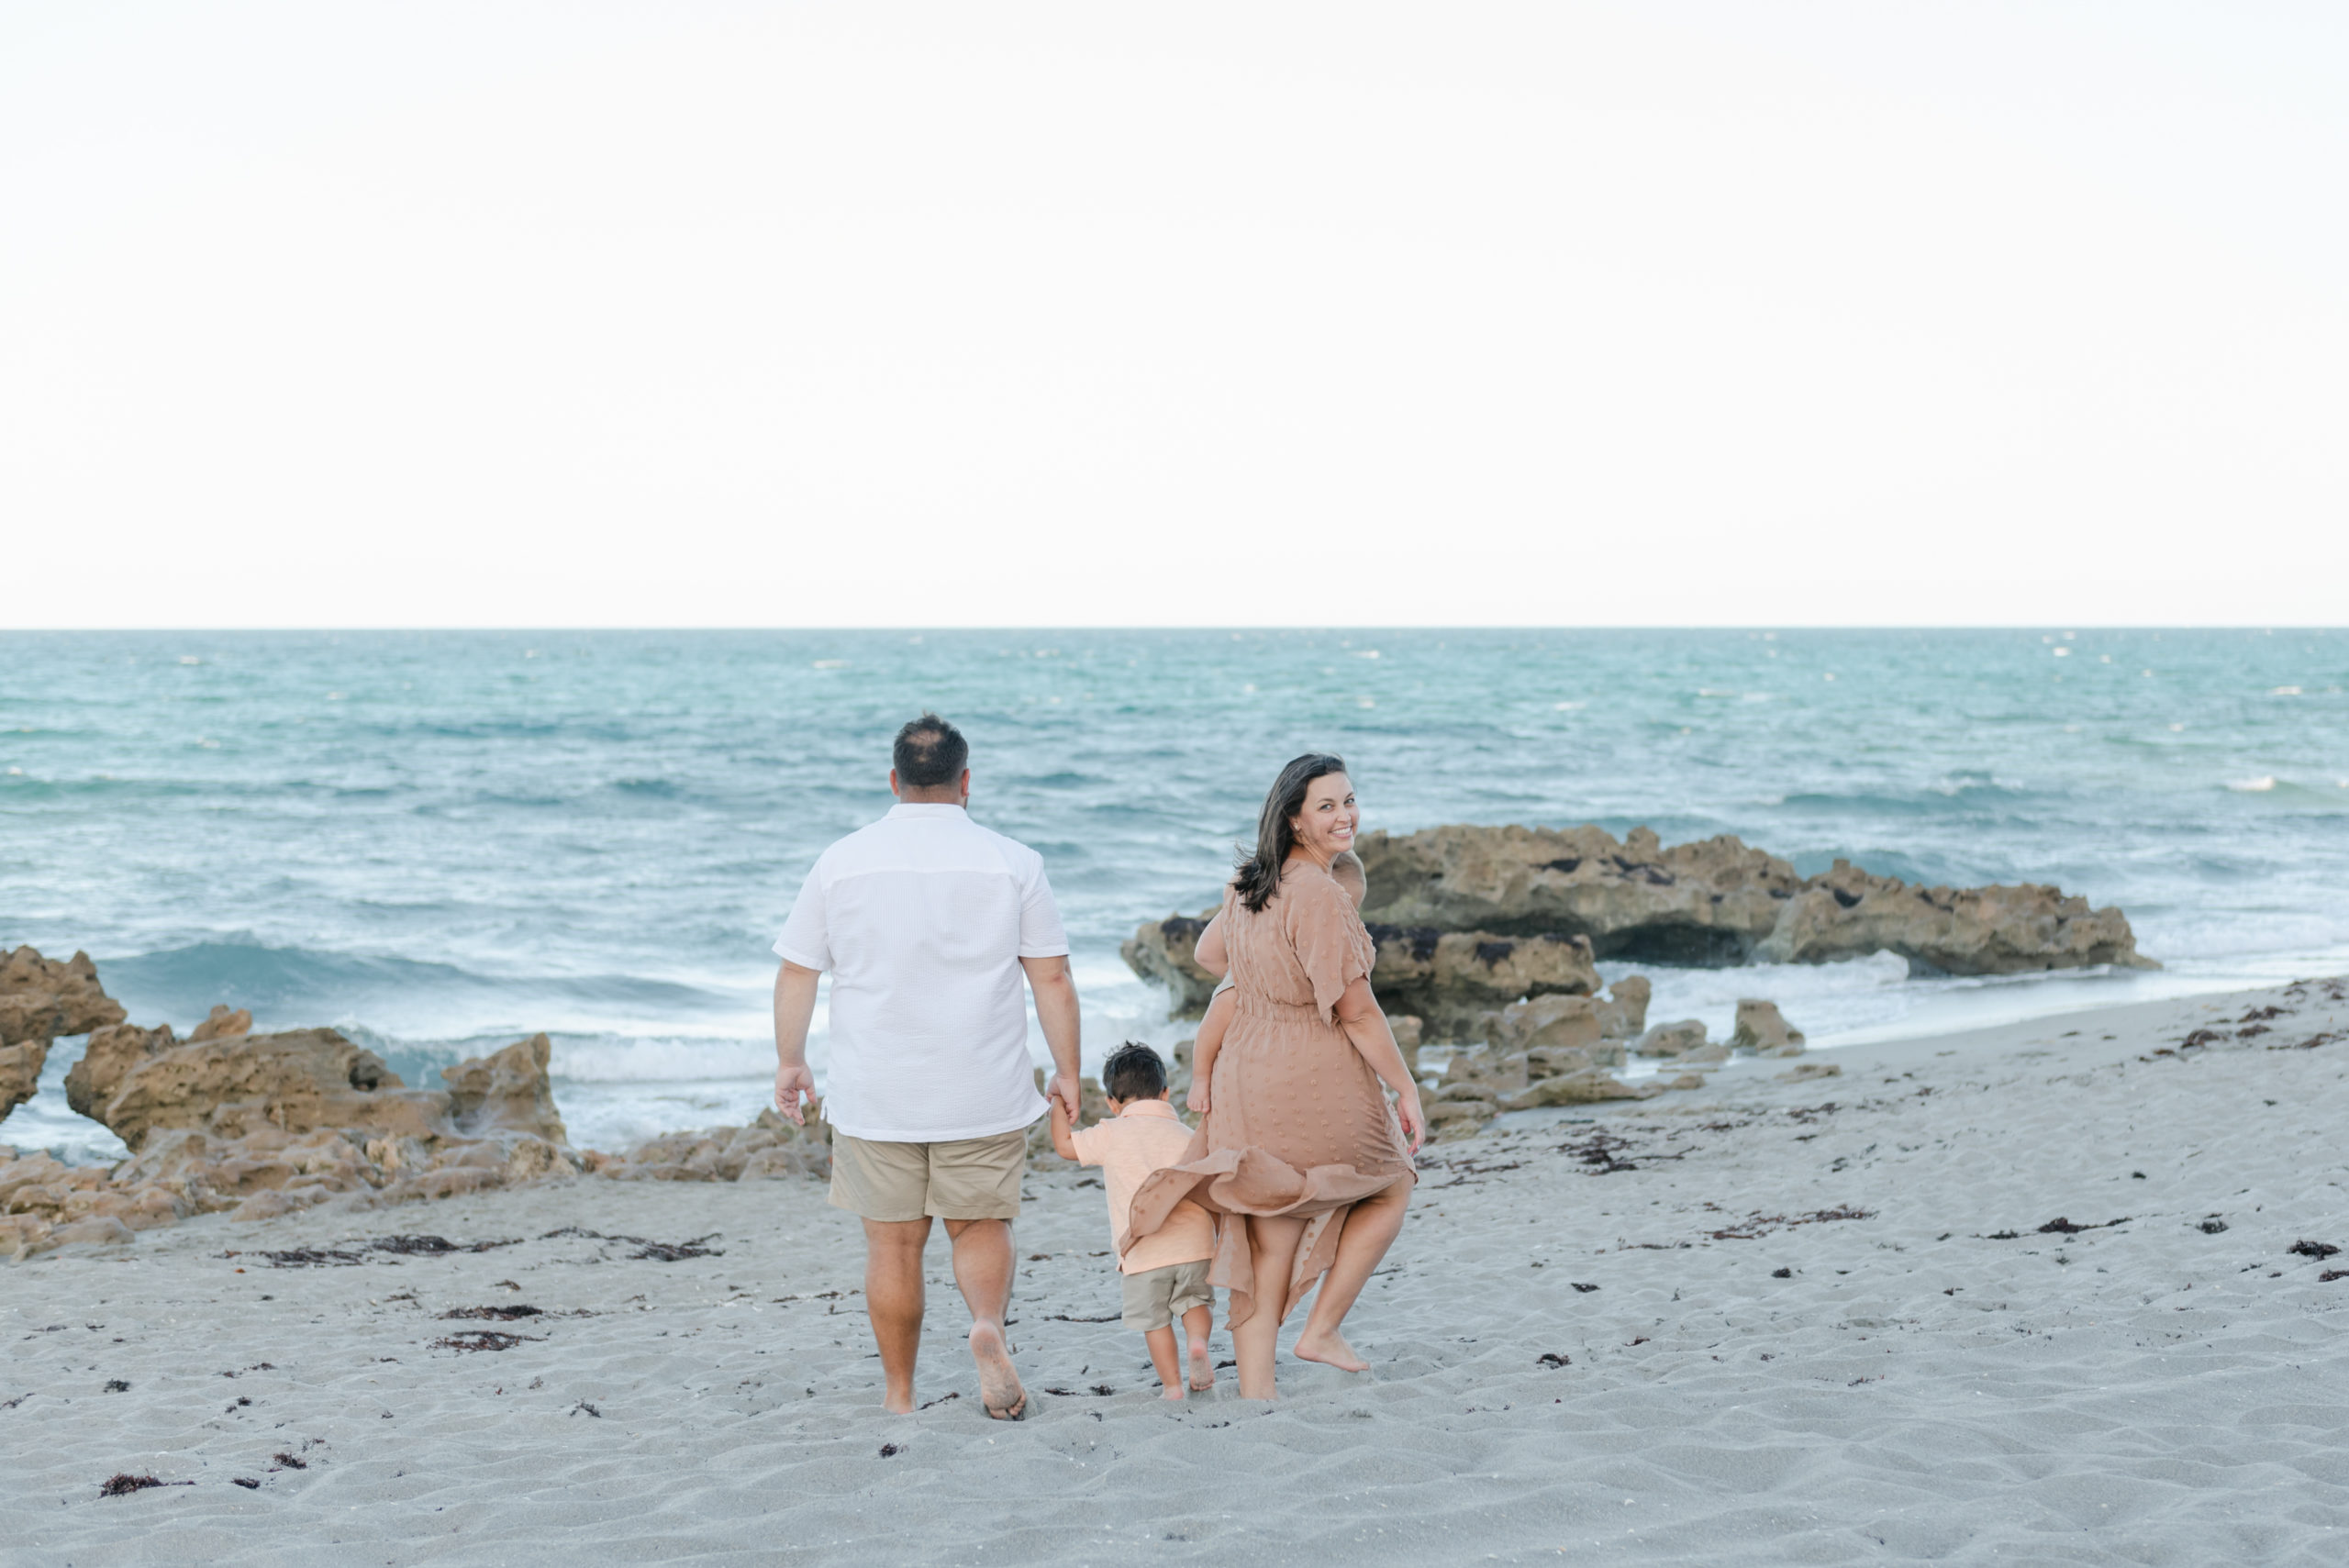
x=1358 y=1014
x=1203 y=1050
x=1208 y=953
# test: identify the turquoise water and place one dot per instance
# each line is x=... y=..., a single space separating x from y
x=441 y=840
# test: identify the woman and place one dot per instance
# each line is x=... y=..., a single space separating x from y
x=1299 y=1148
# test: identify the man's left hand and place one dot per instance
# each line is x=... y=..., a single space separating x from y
x=1069 y=1094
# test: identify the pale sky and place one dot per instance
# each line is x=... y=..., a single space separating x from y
x=1556 y=314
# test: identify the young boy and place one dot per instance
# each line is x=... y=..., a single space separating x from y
x=1347 y=872
x=1165 y=1274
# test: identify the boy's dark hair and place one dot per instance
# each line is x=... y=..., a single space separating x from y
x=929 y=752
x=1133 y=1072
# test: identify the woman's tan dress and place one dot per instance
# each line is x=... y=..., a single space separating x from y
x=1296 y=1122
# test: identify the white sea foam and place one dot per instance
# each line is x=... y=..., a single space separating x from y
x=2259 y=785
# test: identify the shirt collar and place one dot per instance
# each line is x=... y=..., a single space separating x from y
x=926 y=808
x=1150 y=1107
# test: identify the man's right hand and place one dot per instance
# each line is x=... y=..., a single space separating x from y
x=790 y=1083
x=1070 y=1096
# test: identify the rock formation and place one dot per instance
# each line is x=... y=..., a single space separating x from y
x=1448 y=979
x=41 y=999
x=1681 y=1038
x=1847 y=913
x=768 y=1147
x=1164 y=951
x=263 y=1125
x=1720 y=902
x=1764 y=1031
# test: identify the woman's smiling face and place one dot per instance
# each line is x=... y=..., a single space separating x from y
x=1325 y=825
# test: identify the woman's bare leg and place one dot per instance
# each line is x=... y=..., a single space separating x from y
x=1271 y=1247
x=1370 y=1228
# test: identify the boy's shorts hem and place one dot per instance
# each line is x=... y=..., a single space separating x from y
x=968 y=1178
x=1155 y=1297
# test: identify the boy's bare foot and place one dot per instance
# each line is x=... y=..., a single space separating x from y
x=999 y=1388
x=1331 y=1349
x=1202 y=1366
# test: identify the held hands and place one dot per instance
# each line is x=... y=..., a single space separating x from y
x=790 y=1083
x=1066 y=1093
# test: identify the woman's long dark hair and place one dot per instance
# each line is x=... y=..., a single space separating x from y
x=1260 y=874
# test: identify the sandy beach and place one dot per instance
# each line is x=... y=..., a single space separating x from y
x=2035 y=1294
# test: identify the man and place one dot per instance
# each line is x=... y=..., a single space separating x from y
x=926 y=921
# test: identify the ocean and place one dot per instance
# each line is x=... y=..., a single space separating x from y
x=439 y=841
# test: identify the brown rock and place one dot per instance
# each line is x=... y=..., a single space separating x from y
x=1761 y=1029
x=1579 y=1089
x=1705 y=903
x=20 y=1066
x=1848 y=913
x=1450 y=979
x=506 y=1091
x=1719 y=901
x=41 y=998
x=293 y=1082
x=1624 y=1014
x=1547 y=1021
x=222 y=1024
x=96 y=1232
x=1165 y=951
x=1673 y=1040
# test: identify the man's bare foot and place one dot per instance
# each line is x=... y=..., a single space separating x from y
x=1330 y=1349
x=999 y=1388
x=897 y=1404
x=1202 y=1366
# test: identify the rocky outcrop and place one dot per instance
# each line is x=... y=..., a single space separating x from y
x=1680 y=1039
x=41 y=998
x=1719 y=901
x=264 y=1124
x=1848 y=913
x=1764 y=1031
x=1705 y=903
x=1449 y=980
x=768 y=1147
x=1165 y=951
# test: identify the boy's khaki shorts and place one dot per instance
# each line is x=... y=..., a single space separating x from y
x=970 y=1178
x=1155 y=1297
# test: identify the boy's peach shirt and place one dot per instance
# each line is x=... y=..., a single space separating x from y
x=1144 y=1137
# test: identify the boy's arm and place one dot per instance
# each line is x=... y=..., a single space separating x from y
x=1063 y=1137
x=1203 y=1049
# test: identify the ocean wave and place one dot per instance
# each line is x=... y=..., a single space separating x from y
x=289 y=987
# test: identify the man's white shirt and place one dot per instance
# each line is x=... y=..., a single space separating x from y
x=921 y=920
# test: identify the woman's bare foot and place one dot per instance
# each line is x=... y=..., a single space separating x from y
x=1202 y=1366
x=999 y=1388
x=1331 y=1348
x=1173 y=1391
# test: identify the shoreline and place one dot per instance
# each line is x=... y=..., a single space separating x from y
x=1935 y=1374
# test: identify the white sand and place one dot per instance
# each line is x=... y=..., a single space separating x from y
x=2144 y=1394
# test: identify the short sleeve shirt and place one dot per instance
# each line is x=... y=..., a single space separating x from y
x=921 y=920
x=1146 y=1136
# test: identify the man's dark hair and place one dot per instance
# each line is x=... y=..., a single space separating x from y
x=929 y=751
x=1133 y=1072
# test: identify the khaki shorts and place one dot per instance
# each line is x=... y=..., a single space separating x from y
x=1155 y=1297
x=971 y=1178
